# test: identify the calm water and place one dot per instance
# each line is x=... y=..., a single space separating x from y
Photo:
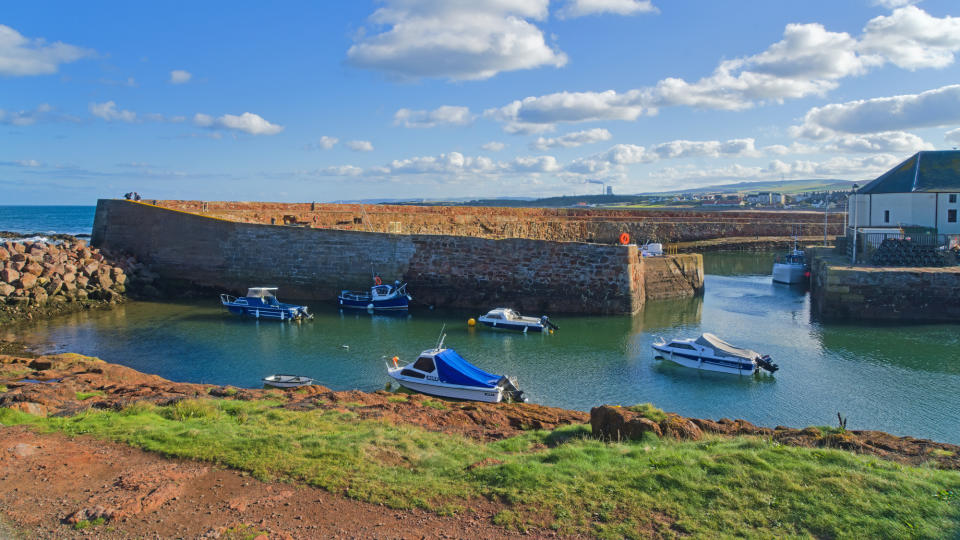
x=900 y=379
x=47 y=219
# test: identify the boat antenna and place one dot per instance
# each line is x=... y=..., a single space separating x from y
x=442 y=337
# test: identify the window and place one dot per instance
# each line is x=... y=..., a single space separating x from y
x=424 y=364
x=411 y=373
x=683 y=346
x=886 y=216
x=951 y=216
x=953 y=198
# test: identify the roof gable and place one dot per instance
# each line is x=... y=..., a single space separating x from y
x=928 y=171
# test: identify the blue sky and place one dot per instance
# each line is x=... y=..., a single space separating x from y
x=324 y=101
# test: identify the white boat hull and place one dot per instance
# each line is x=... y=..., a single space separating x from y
x=706 y=363
x=789 y=273
x=436 y=388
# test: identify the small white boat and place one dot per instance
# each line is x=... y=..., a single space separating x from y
x=443 y=372
x=710 y=353
x=508 y=319
x=791 y=268
x=287 y=381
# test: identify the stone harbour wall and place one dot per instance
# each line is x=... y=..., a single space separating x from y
x=842 y=292
x=673 y=276
x=315 y=264
x=559 y=224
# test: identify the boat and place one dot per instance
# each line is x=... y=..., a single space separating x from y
x=260 y=303
x=710 y=353
x=444 y=373
x=382 y=297
x=792 y=267
x=287 y=381
x=508 y=319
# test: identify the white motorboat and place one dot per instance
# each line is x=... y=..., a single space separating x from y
x=443 y=372
x=710 y=353
x=508 y=319
x=791 y=268
x=287 y=381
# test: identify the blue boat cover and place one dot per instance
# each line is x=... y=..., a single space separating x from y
x=453 y=369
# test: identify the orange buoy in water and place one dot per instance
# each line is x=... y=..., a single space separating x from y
x=395 y=360
x=624 y=238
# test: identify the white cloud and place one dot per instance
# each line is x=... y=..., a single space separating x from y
x=579 y=8
x=28 y=163
x=540 y=113
x=108 y=111
x=570 y=140
x=899 y=142
x=179 y=76
x=360 y=146
x=493 y=146
x=29 y=117
x=892 y=4
x=933 y=108
x=838 y=167
x=325 y=143
x=911 y=38
x=952 y=136
x=247 y=122
x=20 y=56
x=686 y=149
x=459 y=40
x=342 y=170
x=445 y=115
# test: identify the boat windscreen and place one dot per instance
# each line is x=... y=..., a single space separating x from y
x=453 y=369
x=722 y=348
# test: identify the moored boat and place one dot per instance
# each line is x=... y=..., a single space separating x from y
x=382 y=297
x=508 y=319
x=710 y=353
x=260 y=303
x=287 y=381
x=791 y=268
x=444 y=373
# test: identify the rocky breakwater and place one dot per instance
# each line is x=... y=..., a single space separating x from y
x=39 y=278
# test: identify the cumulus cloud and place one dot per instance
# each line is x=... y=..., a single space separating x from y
x=28 y=117
x=21 y=56
x=570 y=140
x=342 y=170
x=808 y=60
x=179 y=76
x=325 y=143
x=445 y=115
x=952 y=136
x=900 y=142
x=455 y=39
x=838 y=167
x=911 y=39
x=933 y=108
x=109 y=112
x=493 y=146
x=892 y=4
x=360 y=146
x=579 y=8
x=247 y=122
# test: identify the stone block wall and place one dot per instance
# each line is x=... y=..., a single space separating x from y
x=315 y=264
x=673 y=276
x=842 y=292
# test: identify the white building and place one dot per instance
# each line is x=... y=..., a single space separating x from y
x=922 y=191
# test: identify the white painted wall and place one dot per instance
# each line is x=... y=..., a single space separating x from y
x=943 y=205
x=920 y=209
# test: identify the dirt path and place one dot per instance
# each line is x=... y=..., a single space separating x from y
x=47 y=479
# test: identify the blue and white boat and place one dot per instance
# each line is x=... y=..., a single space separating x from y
x=442 y=372
x=508 y=319
x=710 y=353
x=382 y=297
x=260 y=303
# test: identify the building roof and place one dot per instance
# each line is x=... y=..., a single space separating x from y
x=928 y=171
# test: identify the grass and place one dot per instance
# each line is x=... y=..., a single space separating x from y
x=81 y=396
x=647 y=410
x=562 y=479
x=3 y=388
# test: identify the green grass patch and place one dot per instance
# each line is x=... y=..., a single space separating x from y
x=241 y=531
x=647 y=410
x=439 y=405
x=81 y=396
x=3 y=388
x=398 y=399
x=561 y=479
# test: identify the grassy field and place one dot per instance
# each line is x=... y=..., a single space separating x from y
x=561 y=479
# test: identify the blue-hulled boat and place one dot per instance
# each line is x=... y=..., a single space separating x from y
x=382 y=297
x=260 y=303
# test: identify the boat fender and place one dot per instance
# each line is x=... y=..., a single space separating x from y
x=377 y=280
x=471 y=322
x=395 y=360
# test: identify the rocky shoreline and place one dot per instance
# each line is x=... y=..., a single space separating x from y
x=68 y=384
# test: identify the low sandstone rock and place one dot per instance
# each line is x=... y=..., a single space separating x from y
x=9 y=275
x=18 y=247
x=26 y=281
x=69 y=277
x=82 y=281
x=18 y=257
x=70 y=269
x=33 y=268
x=619 y=424
x=29 y=407
x=4 y=254
x=17 y=265
x=54 y=286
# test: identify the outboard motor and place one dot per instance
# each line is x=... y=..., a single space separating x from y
x=511 y=391
x=544 y=320
x=765 y=363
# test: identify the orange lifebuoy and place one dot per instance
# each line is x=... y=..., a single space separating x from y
x=624 y=238
x=377 y=281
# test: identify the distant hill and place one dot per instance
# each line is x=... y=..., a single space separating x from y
x=790 y=187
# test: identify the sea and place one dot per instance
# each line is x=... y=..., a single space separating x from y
x=898 y=378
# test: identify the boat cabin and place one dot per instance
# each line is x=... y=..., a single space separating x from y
x=423 y=368
x=260 y=296
x=506 y=314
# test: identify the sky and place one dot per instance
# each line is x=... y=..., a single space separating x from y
x=425 y=99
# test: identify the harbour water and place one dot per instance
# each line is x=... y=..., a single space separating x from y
x=900 y=379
